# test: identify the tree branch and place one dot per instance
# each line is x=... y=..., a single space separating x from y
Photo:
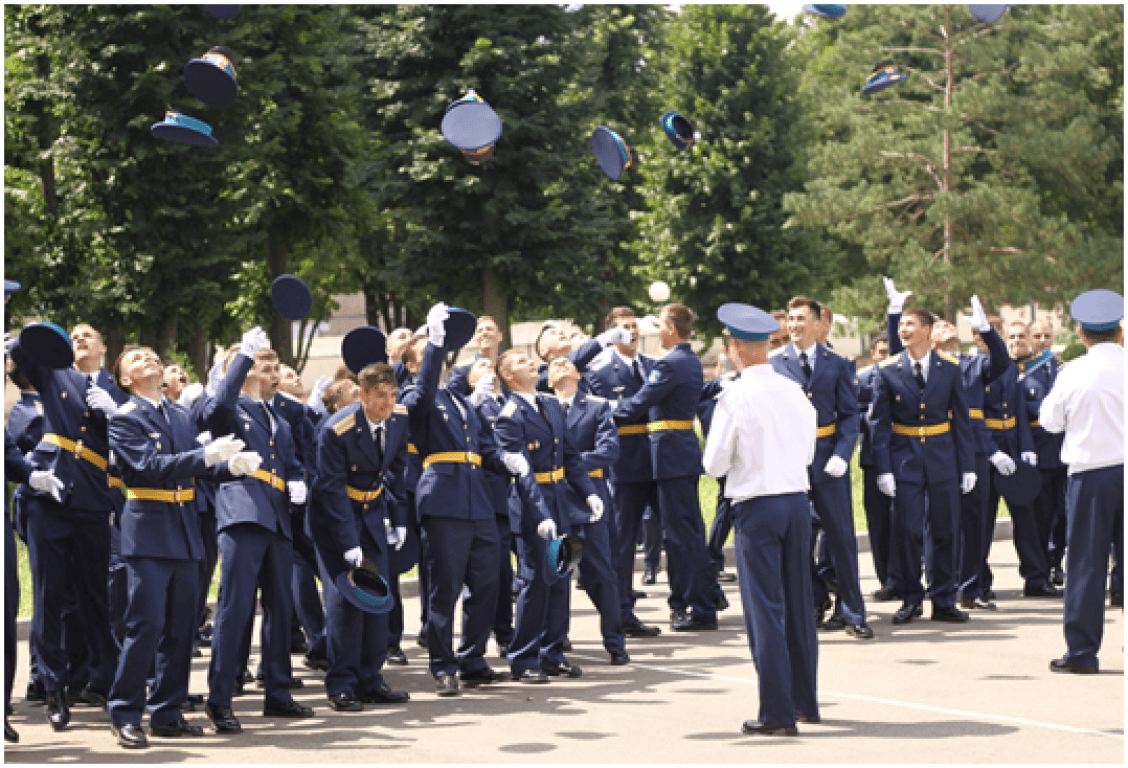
x=895 y=203
x=929 y=164
x=916 y=50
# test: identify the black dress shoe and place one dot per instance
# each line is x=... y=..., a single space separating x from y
x=299 y=647
x=345 y=702
x=319 y=663
x=860 y=631
x=10 y=734
x=1057 y=577
x=641 y=630
x=485 y=676
x=87 y=697
x=886 y=594
x=384 y=695
x=176 y=729
x=691 y=624
x=36 y=694
x=723 y=603
x=638 y=594
x=222 y=718
x=724 y=577
x=950 y=615
x=820 y=612
x=533 y=675
x=502 y=650
x=619 y=659
x=295 y=683
x=1061 y=665
x=580 y=585
x=800 y=717
x=907 y=613
x=561 y=669
x=978 y=604
x=1116 y=599
x=396 y=656
x=650 y=576
x=756 y=728
x=196 y=652
x=446 y=685
x=421 y=639
x=990 y=595
x=679 y=614
x=567 y=644
x=130 y=736
x=1045 y=590
x=833 y=624
x=58 y=713
x=286 y=709
x=192 y=701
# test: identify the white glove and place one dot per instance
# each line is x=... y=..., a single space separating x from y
x=96 y=397
x=215 y=376
x=244 y=463
x=979 y=317
x=204 y=438
x=1029 y=457
x=390 y=534
x=483 y=390
x=253 y=340
x=45 y=480
x=547 y=529
x=401 y=537
x=967 y=483
x=835 y=466
x=887 y=485
x=318 y=392
x=1005 y=464
x=221 y=449
x=595 y=504
x=297 y=489
x=616 y=335
x=191 y=394
x=896 y=298
x=516 y=463
x=354 y=557
x=9 y=340
x=436 y=328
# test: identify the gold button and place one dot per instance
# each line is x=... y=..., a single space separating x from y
x=86 y=414
x=922 y=417
x=809 y=394
x=922 y=405
x=354 y=468
x=272 y=455
x=82 y=428
x=272 y=442
x=63 y=395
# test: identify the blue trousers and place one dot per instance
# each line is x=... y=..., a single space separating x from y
x=303 y=584
x=937 y=506
x=357 y=641
x=973 y=528
x=503 y=614
x=831 y=500
x=652 y=538
x=11 y=606
x=1095 y=506
x=879 y=512
x=719 y=532
x=209 y=536
x=773 y=544
x=160 y=619
x=693 y=581
x=601 y=582
x=541 y=623
x=631 y=501
x=1052 y=497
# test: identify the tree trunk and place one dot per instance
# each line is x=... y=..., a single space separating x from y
x=949 y=310
x=496 y=304
x=114 y=340
x=281 y=335
x=167 y=340
x=198 y=353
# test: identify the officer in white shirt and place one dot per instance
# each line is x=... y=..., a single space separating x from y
x=765 y=453
x=1087 y=404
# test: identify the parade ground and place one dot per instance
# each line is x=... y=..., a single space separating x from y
x=926 y=692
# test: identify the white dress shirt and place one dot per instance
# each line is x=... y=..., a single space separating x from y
x=762 y=437
x=1087 y=403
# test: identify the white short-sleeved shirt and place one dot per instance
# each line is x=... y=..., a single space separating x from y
x=1087 y=404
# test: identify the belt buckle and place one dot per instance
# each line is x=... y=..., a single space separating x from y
x=469 y=457
x=920 y=431
x=78 y=449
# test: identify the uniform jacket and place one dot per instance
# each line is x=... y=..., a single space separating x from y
x=609 y=377
x=866 y=380
x=1036 y=380
x=298 y=415
x=581 y=357
x=592 y=432
x=26 y=422
x=16 y=467
x=413 y=467
x=498 y=483
x=1004 y=399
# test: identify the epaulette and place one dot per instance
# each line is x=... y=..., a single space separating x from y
x=509 y=409
x=345 y=424
x=127 y=407
x=596 y=398
x=949 y=358
x=601 y=360
x=835 y=354
x=39 y=407
x=400 y=408
x=891 y=361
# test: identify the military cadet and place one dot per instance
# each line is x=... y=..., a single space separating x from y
x=669 y=400
x=255 y=535
x=487 y=340
x=780 y=337
x=722 y=520
x=536 y=448
x=459 y=541
x=1087 y=405
x=588 y=423
x=406 y=371
x=878 y=506
x=175 y=380
x=764 y=454
x=551 y=343
x=358 y=480
x=828 y=381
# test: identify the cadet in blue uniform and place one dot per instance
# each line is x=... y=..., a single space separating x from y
x=828 y=381
x=487 y=339
x=406 y=370
x=1044 y=369
x=878 y=506
x=669 y=401
x=1087 y=404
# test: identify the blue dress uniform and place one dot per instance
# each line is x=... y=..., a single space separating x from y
x=581 y=357
x=412 y=471
x=831 y=391
x=357 y=483
x=541 y=625
x=16 y=469
x=255 y=541
x=925 y=440
x=205 y=506
x=76 y=531
x=878 y=506
x=592 y=432
x=722 y=520
x=459 y=532
x=161 y=548
x=669 y=401
x=1037 y=377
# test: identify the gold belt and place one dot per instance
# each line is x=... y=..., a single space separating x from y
x=179 y=496
x=662 y=426
x=358 y=495
x=923 y=430
x=596 y=473
x=826 y=431
x=1035 y=424
x=453 y=457
x=975 y=413
x=633 y=429
x=555 y=476
x=1002 y=423
x=115 y=482
x=412 y=449
x=269 y=478
x=77 y=449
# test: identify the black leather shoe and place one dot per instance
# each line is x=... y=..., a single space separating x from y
x=196 y=652
x=907 y=613
x=567 y=644
x=87 y=697
x=723 y=603
x=1061 y=665
x=678 y=614
x=990 y=595
x=192 y=701
x=580 y=584
x=886 y=594
x=299 y=648
x=978 y=604
x=533 y=675
x=222 y=718
x=860 y=631
x=396 y=656
x=384 y=695
x=619 y=659
x=176 y=729
x=1057 y=577
x=58 y=713
x=756 y=728
x=502 y=650
x=446 y=685
x=820 y=612
x=485 y=676
x=561 y=669
x=286 y=709
x=319 y=663
x=833 y=624
x=691 y=624
x=650 y=576
x=345 y=702
x=800 y=717
x=36 y=694
x=10 y=734
x=638 y=594
x=295 y=683
x=421 y=640
x=950 y=615
x=130 y=736
x=641 y=630
x=1116 y=599
x=1045 y=590
x=724 y=577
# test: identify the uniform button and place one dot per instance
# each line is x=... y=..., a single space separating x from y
x=467 y=439
x=272 y=455
x=272 y=442
x=922 y=417
x=87 y=414
x=810 y=394
x=922 y=406
x=354 y=468
x=63 y=395
x=82 y=428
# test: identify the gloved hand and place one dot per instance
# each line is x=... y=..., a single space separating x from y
x=835 y=466
x=244 y=463
x=1029 y=457
x=390 y=534
x=967 y=482
x=595 y=504
x=45 y=480
x=887 y=485
x=9 y=340
x=401 y=537
x=483 y=390
x=547 y=529
x=215 y=376
x=204 y=438
x=616 y=335
x=436 y=328
x=222 y=449
x=1003 y=463
x=516 y=463
x=315 y=402
x=297 y=489
x=355 y=557
x=191 y=394
x=896 y=298
x=253 y=340
x=96 y=397
x=978 y=317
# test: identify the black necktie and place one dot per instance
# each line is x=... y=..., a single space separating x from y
x=378 y=438
x=543 y=412
x=501 y=399
x=566 y=407
x=266 y=414
x=637 y=372
x=161 y=409
x=919 y=374
x=806 y=365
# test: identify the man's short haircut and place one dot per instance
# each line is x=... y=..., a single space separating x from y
x=803 y=301
x=413 y=352
x=344 y=372
x=682 y=318
x=487 y=318
x=881 y=337
x=780 y=317
x=1019 y=322
x=923 y=316
x=121 y=356
x=1100 y=337
x=616 y=314
x=505 y=362
x=375 y=375
x=335 y=394
x=266 y=355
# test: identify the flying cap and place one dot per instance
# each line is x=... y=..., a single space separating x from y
x=211 y=78
x=1099 y=310
x=885 y=74
x=678 y=129
x=562 y=556
x=184 y=130
x=291 y=297
x=363 y=346
x=472 y=126
x=223 y=11
x=365 y=588
x=988 y=13
x=1020 y=487
x=48 y=344
x=459 y=326
x=611 y=151
x=10 y=287
x=826 y=10
x=746 y=322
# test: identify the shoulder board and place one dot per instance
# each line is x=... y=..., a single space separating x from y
x=509 y=409
x=777 y=351
x=833 y=353
x=949 y=358
x=891 y=361
x=596 y=398
x=39 y=407
x=400 y=408
x=345 y=424
x=130 y=406
x=601 y=360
